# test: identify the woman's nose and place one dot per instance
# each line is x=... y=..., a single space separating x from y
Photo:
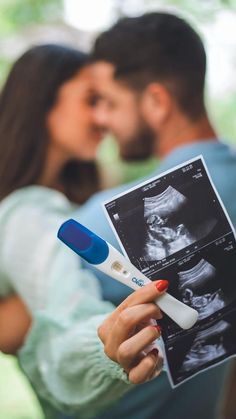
x=101 y=116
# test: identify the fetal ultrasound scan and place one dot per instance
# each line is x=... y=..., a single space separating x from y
x=175 y=227
x=199 y=289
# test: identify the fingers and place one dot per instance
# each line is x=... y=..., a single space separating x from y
x=148 y=368
x=125 y=337
x=146 y=294
x=133 y=316
x=129 y=351
x=125 y=325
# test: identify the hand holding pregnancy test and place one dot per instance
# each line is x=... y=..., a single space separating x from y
x=106 y=258
x=165 y=233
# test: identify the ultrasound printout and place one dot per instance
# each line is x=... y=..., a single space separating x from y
x=175 y=227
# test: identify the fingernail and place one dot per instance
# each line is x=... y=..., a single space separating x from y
x=158 y=328
x=154 y=351
x=162 y=285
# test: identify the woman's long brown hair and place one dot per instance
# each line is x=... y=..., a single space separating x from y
x=29 y=93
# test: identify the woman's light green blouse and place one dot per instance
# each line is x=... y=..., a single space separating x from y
x=62 y=355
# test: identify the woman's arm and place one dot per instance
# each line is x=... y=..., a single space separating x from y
x=67 y=362
x=15 y=321
x=62 y=354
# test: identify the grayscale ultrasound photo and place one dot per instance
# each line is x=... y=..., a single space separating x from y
x=202 y=348
x=166 y=235
x=175 y=227
x=197 y=287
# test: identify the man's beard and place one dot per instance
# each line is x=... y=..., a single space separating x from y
x=140 y=146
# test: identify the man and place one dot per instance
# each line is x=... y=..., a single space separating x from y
x=150 y=75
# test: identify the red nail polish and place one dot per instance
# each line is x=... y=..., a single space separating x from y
x=162 y=285
x=154 y=351
x=158 y=328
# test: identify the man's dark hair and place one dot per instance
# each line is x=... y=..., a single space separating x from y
x=157 y=47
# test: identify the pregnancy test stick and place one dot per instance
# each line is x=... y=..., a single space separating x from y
x=109 y=260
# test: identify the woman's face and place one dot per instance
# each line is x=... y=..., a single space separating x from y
x=71 y=122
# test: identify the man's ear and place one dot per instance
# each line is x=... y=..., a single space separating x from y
x=156 y=104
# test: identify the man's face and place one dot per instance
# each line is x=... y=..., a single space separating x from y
x=119 y=110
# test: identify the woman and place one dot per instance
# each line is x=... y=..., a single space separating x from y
x=33 y=87
x=48 y=138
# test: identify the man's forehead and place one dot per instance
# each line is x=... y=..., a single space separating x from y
x=105 y=83
x=102 y=72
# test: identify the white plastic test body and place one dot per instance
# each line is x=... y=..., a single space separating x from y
x=118 y=267
x=94 y=249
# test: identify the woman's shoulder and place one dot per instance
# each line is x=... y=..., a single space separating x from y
x=29 y=220
x=37 y=198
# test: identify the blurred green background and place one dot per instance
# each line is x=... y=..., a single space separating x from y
x=27 y=22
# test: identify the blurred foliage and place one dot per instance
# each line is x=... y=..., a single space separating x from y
x=115 y=171
x=4 y=68
x=17 y=399
x=195 y=6
x=15 y=14
x=222 y=113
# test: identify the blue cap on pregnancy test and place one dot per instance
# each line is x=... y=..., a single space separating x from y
x=84 y=242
